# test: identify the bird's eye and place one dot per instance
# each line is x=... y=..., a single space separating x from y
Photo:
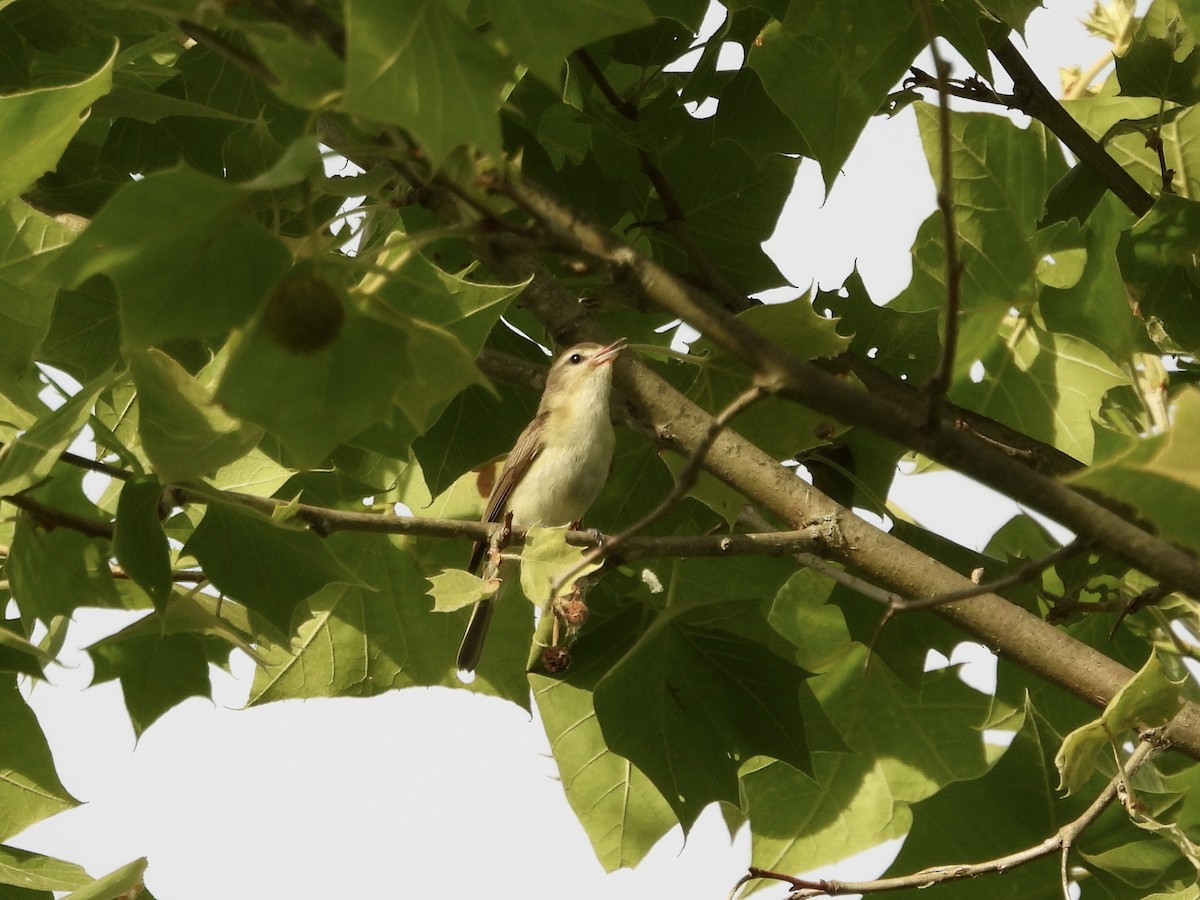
x=575 y=358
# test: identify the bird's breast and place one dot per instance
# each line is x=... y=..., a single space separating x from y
x=564 y=479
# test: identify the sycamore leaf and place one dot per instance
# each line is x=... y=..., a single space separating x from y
x=1159 y=474
x=184 y=433
x=831 y=66
x=1151 y=68
x=156 y=671
x=1158 y=262
x=139 y=542
x=695 y=698
x=116 y=885
x=29 y=787
x=1149 y=699
x=34 y=872
x=268 y=568
x=27 y=460
x=39 y=124
x=622 y=811
x=178 y=275
x=456 y=588
x=351 y=641
x=546 y=556
x=313 y=403
x=1047 y=385
x=416 y=64
x=575 y=24
x=55 y=572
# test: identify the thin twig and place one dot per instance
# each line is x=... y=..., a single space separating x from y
x=1060 y=842
x=49 y=518
x=937 y=384
x=245 y=60
x=1026 y=573
x=684 y=481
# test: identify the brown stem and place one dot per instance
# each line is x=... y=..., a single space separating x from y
x=1041 y=105
x=936 y=385
x=1059 y=844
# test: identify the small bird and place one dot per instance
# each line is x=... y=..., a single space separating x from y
x=556 y=468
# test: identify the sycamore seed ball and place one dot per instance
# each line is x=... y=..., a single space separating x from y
x=304 y=314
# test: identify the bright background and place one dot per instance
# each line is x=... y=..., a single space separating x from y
x=435 y=792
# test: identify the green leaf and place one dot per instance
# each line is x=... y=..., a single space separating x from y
x=415 y=64
x=310 y=73
x=1001 y=176
x=831 y=66
x=84 y=339
x=28 y=241
x=1149 y=699
x=1047 y=385
x=139 y=542
x=116 y=885
x=157 y=672
x=355 y=642
x=781 y=428
x=38 y=124
x=621 y=810
x=456 y=588
x=186 y=256
x=255 y=473
x=55 y=572
x=1158 y=263
x=1095 y=307
x=419 y=290
x=313 y=403
x=544 y=49
x=699 y=694
x=1150 y=68
x=730 y=205
x=27 y=460
x=1140 y=863
x=545 y=557
x=17 y=654
x=941 y=833
x=1159 y=475
x=34 y=872
x=184 y=433
x=1011 y=12
x=262 y=565
x=29 y=787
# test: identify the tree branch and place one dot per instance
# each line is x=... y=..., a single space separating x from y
x=1059 y=843
x=1026 y=573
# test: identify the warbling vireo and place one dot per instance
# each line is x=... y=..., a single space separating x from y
x=557 y=466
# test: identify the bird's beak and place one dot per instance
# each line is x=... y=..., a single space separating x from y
x=608 y=353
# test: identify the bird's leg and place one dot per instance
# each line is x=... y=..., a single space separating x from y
x=501 y=538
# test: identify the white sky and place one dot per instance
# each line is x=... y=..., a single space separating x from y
x=433 y=792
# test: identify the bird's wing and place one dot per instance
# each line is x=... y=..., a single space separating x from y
x=522 y=455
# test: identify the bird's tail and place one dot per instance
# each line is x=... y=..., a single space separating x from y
x=471 y=649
